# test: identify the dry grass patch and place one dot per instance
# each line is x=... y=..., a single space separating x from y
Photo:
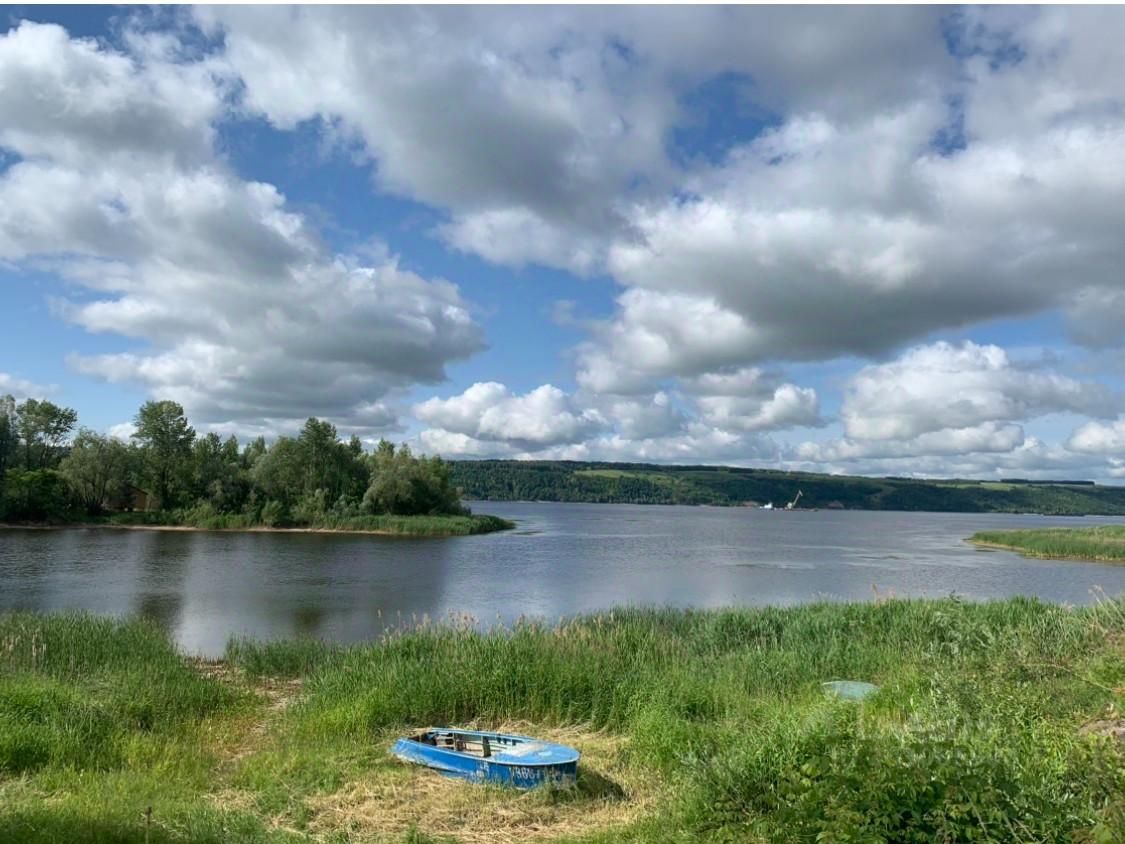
x=1113 y=728
x=241 y=736
x=390 y=801
x=278 y=692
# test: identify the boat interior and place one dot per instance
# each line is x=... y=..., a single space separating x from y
x=473 y=744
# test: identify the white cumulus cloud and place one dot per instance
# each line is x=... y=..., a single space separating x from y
x=954 y=402
x=21 y=388
x=1099 y=438
x=488 y=420
x=242 y=313
x=543 y=417
x=945 y=386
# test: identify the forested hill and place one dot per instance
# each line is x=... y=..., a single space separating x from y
x=642 y=483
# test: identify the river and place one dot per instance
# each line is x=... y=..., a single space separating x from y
x=562 y=559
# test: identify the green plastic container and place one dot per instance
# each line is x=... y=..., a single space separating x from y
x=849 y=689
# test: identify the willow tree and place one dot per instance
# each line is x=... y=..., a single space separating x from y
x=97 y=469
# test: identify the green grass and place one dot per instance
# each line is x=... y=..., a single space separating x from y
x=400 y=525
x=1105 y=543
x=996 y=486
x=694 y=726
x=109 y=718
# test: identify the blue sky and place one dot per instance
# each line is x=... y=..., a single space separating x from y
x=868 y=240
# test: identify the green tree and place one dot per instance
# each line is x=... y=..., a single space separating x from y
x=43 y=426
x=331 y=468
x=8 y=436
x=36 y=495
x=217 y=474
x=390 y=490
x=319 y=457
x=166 y=439
x=97 y=469
x=404 y=485
x=254 y=451
x=437 y=493
x=279 y=472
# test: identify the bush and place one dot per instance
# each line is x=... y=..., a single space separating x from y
x=201 y=514
x=839 y=779
x=40 y=495
x=310 y=509
x=273 y=514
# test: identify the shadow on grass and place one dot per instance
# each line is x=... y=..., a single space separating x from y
x=591 y=787
x=41 y=826
x=48 y=825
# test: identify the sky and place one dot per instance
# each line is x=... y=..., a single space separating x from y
x=864 y=240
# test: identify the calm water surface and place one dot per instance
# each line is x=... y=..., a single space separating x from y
x=562 y=559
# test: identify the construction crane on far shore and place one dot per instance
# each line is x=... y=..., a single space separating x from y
x=793 y=503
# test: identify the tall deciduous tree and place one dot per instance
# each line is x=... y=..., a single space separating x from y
x=97 y=469
x=390 y=490
x=8 y=435
x=278 y=472
x=166 y=439
x=8 y=440
x=436 y=493
x=43 y=426
x=217 y=474
x=405 y=485
x=255 y=450
x=318 y=452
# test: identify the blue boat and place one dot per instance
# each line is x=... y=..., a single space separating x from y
x=516 y=761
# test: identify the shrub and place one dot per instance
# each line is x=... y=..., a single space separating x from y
x=34 y=496
x=311 y=508
x=273 y=514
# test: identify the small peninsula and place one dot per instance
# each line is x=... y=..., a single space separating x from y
x=168 y=478
x=1104 y=543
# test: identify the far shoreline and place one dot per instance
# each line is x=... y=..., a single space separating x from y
x=192 y=528
x=504 y=524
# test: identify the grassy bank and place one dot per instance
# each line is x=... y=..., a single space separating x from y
x=390 y=525
x=992 y=724
x=1105 y=543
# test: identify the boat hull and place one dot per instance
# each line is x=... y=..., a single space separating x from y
x=520 y=762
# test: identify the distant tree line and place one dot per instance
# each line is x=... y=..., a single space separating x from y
x=643 y=483
x=51 y=471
